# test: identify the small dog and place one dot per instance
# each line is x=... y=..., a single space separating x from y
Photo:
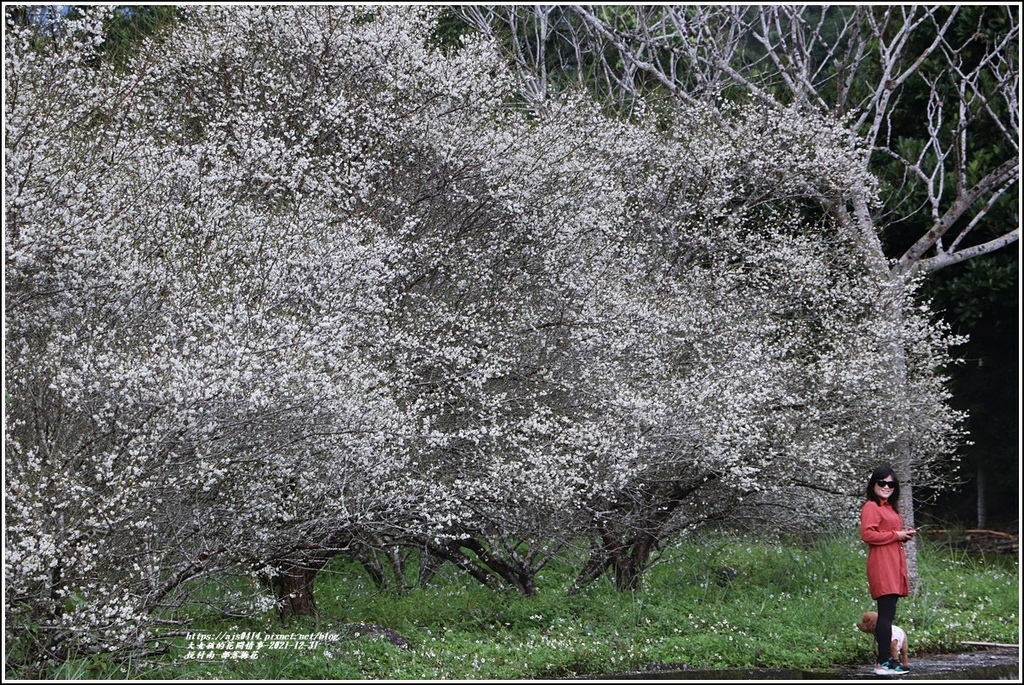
x=899 y=638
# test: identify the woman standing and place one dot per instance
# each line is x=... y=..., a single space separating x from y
x=881 y=527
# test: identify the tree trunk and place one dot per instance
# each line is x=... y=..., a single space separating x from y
x=596 y=565
x=372 y=566
x=903 y=457
x=514 y=574
x=450 y=551
x=907 y=512
x=429 y=565
x=630 y=562
x=293 y=587
x=980 y=490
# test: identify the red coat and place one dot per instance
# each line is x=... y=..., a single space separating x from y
x=887 y=561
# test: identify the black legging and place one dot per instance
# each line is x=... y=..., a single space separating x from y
x=883 y=628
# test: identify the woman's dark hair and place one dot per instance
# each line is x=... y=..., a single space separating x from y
x=881 y=473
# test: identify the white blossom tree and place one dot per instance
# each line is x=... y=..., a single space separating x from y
x=767 y=361
x=300 y=281
x=957 y=155
x=188 y=305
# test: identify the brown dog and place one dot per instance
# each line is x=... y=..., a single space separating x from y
x=899 y=638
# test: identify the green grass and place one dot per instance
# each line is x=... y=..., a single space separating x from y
x=790 y=605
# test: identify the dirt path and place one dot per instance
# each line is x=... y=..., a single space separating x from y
x=985 y=663
x=988 y=663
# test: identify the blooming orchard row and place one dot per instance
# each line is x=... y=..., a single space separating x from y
x=297 y=282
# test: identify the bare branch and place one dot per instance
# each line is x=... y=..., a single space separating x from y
x=948 y=259
x=859 y=64
x=995 y=183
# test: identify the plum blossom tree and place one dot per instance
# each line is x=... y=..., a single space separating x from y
x=295 y=281
x=768 y=363
x=954 y=162
x=190 y=304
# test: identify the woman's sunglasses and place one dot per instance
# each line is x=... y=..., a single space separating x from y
x=891 y=484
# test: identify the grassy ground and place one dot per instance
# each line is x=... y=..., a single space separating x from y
x=788 y=605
